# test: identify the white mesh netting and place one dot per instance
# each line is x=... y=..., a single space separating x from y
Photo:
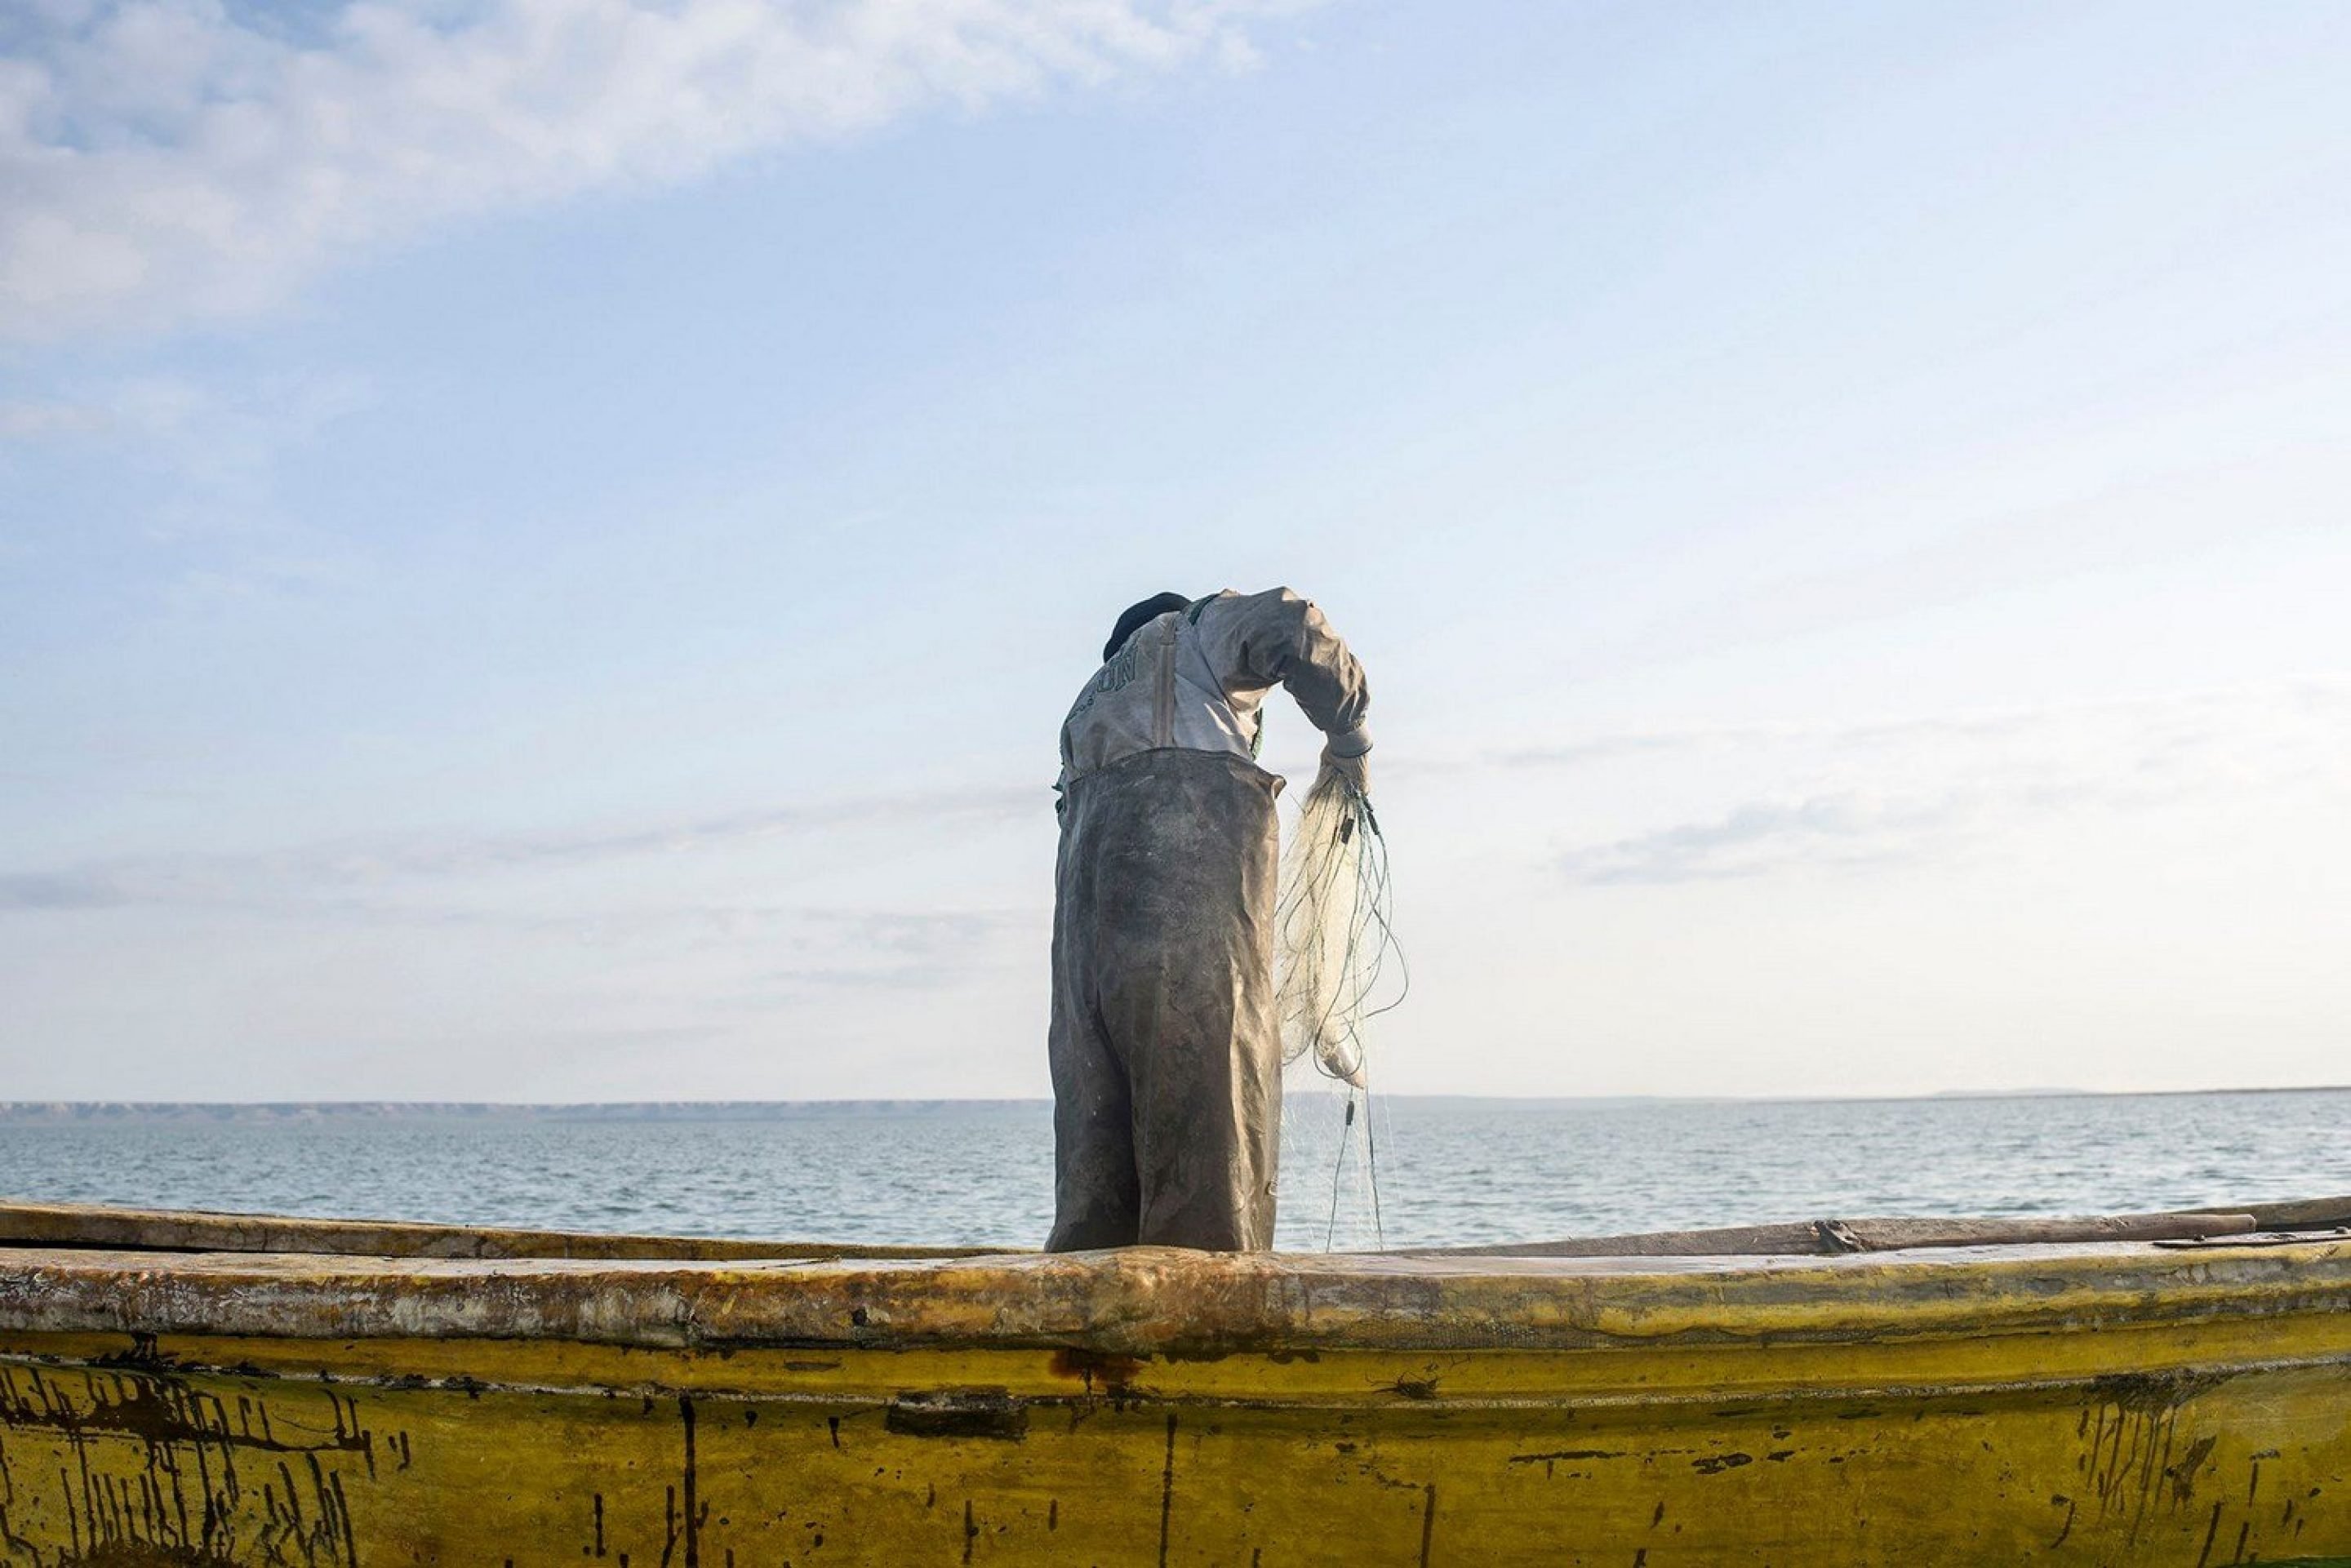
x=1336 y=963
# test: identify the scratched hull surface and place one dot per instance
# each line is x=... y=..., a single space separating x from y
x=2115 y=1404
x=126 y=1465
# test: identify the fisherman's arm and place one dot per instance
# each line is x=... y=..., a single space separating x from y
x=1276 y=638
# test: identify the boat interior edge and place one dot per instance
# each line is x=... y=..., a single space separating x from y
x=97 y=1226
x=103 y=1228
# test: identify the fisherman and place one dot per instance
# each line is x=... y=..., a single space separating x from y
x=1165 y=1047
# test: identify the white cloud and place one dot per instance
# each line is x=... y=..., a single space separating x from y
x=303 y=880
x=2297 y=708
x=28 y=420
x=1762 y=837
x=1874 y=794
x=166 y=160
x=191 y=469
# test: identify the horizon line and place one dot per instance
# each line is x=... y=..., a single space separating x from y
x=10 y=1109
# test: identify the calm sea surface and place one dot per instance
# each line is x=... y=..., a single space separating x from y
x=1450 y=1171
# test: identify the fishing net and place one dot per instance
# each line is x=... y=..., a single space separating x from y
x=1337 y=962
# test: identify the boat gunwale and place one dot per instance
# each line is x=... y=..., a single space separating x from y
x=1150 y=1301
x=52 y=1226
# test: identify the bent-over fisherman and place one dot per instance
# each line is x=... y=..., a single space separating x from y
x=1166 y=1047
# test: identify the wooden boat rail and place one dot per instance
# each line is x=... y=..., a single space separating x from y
x=66 y=1271
x=66 y=1225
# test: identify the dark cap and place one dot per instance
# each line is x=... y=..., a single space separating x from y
x=1151 y=609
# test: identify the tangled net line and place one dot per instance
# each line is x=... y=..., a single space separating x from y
x=1334 y=938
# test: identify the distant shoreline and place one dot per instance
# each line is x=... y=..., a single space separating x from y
x=265 y=1113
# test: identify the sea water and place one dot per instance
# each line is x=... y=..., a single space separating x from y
x=1450 y=1171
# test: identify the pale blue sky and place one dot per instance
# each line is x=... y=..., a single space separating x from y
x=543 y=546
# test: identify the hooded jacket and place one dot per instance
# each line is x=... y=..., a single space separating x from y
x=1196 y=678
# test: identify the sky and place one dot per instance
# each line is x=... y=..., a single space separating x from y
x=545 y=544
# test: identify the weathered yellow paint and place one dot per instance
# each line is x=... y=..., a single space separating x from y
x=2111 y=1404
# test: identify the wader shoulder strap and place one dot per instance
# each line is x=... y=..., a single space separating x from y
x=1162 y=702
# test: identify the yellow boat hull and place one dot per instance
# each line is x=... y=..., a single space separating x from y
x=2111 y=1403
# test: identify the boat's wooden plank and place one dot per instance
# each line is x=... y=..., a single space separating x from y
x=1829 y=1237
x=2294 y=1214
x=85 y=1225
x=1793 y=1237
x=1156 y=1300
x=1891 y=1235
x=194 y=1230
x=1688 y=1371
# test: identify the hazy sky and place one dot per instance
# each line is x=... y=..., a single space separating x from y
x=544 y=544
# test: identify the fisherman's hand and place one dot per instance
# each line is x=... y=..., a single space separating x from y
x=1352 y=770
